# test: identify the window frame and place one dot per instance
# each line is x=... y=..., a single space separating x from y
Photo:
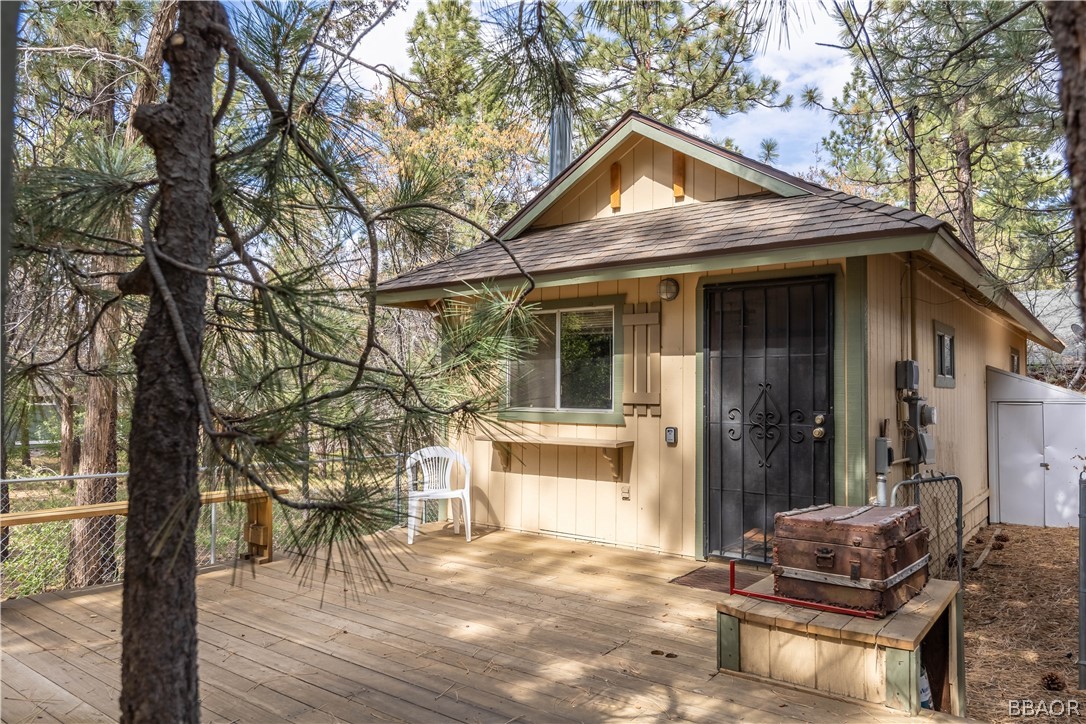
x=1016 y=360
x=613 y=416
x=943 y=379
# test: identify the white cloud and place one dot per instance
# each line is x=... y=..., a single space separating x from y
x=387 y=44
x=800 y=63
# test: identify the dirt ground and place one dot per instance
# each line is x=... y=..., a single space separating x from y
x=1021 y=619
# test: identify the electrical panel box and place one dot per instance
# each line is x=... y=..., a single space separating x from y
x=671 y=435
x=907 y=374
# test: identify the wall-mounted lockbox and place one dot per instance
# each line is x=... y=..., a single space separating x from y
x=907 y=374
x=671 y=435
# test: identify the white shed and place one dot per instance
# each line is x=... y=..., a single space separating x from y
x=1036 y=450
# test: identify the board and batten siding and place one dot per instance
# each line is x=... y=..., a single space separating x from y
x=981 y=337
x=647 y=178
x=569 y=491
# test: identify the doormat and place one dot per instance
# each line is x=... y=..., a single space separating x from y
x=714 y=577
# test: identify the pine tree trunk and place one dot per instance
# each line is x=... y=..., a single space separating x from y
x=91 y=558
x=1068 y=24
x=67 y=429
x=963 y=170
x=158 y=662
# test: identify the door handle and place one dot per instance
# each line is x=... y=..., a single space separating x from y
x=1046 y=466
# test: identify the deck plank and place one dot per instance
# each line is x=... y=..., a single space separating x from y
x=507 y=627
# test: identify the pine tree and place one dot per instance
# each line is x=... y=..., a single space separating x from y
x=981 y=77
x=262 y=233
x=682 y=63
x=1068 y=25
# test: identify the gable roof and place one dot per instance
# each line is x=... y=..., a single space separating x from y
x=632 y=122
x=793 y=217
x=693 y=231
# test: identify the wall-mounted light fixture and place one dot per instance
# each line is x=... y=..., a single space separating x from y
x=669 y=289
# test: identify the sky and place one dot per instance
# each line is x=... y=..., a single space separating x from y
x=797 y=64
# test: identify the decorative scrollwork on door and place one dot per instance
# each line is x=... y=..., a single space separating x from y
x=763 y=424
x=797 y=418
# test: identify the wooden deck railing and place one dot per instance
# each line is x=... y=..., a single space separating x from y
x=258 y=526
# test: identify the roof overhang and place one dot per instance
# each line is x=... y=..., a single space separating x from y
x=636 y=124
x=423 y=296
x=939 y=245
x=956 y=258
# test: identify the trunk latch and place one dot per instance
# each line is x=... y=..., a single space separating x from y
x=824 y=558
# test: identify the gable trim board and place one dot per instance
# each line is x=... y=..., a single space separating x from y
x=631 y=123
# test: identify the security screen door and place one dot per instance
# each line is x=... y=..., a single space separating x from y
x=768 y=409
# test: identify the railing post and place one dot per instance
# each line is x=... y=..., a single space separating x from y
x=214 y=530
x=258 y=529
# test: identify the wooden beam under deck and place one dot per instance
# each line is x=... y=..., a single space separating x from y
x=506 y=627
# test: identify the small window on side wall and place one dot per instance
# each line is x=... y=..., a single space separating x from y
x=944 y=355
x=1016 y=361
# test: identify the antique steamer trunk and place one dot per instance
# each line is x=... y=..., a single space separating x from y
x=870 y=558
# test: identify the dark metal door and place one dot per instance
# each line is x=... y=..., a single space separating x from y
x=768 y=409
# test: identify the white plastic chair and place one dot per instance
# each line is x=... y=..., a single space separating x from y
x=436 y=464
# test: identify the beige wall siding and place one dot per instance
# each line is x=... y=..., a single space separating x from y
x=647 y=177
x=981 y=338
x=569 y=491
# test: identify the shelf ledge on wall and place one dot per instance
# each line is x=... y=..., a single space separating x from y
x=611 y=449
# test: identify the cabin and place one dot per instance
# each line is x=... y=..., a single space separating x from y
x=724 y=341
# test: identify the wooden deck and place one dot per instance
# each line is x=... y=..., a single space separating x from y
x=506 y=628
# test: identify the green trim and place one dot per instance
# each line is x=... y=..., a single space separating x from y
x=564 y=416
x=839 y=400
x=714 y=263
x=852 y=466
x=540 y=206
x=615 y=300
x=699 y=424
x=903 y=680
x=942 y=381
x=727 y=643
x=771 y=183
x=957 y=639
x=613 y=416
x=632 y=126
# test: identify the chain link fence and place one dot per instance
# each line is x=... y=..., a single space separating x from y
x=80 y=551
x=940 y=501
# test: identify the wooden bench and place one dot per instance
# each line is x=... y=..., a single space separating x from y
x=611 y=449
x=258 y=526
x=876 y=660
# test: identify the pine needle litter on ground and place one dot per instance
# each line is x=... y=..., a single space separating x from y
x=1021 y=619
